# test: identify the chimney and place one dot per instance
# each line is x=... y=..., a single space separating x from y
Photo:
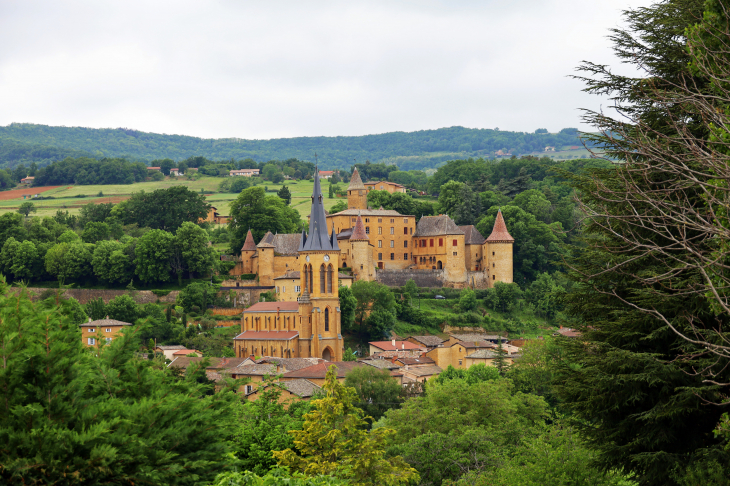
x=403 y=346
x=393 y=341
x=89 y=319
x=406 y=367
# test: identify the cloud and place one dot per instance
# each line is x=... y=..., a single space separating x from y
x=231 y=68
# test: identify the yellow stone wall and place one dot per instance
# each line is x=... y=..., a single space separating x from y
x=286 y=289
x=455 y=258
x=362 y=261
x=430 y=250
x=275 y=347
x=384 y=186
x=116 y=331
x=499 y=262
x=266 y=266
x=270 y=321
x=473 y=257
x=357 y=199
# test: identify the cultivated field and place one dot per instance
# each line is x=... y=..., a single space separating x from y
x=72 y=198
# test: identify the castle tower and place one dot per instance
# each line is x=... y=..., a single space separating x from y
x=247 y=253
x=265 y=250
x=357 y=194
x=362 y=255
x=498 y=251
x=320 y=333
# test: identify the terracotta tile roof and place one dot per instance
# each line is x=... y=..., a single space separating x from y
x=213 y=376
x=249 y=245
x=399 y=345
x=421 y=360
x=292 y=364
x=184 y=361
x=437 y=225
x=320 y=370
x=408 y=353
x=267 y=241
x=225 y=363
x=383 y=182
x=500 y=233
x=423 y=370
x=371 y=212
x=475 y=344
x=358 y=232
x=185 y=352
x=355 y=181
x=104 y=323
x=383 y=364
x=273 y=306
x=430 y=341
x=286 y=244
x=301 y=387
x=267 y=335
x=484 y=354
x=168 y=348
x=472 y=236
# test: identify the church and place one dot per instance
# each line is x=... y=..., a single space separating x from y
x=372 y=243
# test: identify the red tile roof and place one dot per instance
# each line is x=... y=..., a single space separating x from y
x=267 y=335
x=320 y=370
x=399 y=345
x=358 y=233
x=273 y=307
x=249 y=245
x=185 y=352
x=500 y=233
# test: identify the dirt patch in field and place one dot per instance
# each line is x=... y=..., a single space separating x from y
x=26 y=191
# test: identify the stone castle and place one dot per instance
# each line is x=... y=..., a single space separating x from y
x=304 y=269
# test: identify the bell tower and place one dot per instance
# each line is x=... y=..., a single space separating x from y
x=357 y=193
x=498 y=253
x=320 y=334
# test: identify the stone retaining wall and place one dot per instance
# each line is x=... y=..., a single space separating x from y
x=423 y=278
x=85 y=295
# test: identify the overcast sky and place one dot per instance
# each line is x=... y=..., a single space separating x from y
x=269 y=69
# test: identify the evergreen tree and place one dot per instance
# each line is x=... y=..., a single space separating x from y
x=285 y=194
x=73 y=416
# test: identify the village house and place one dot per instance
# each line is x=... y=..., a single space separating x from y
x=391 y=187
x=293 y=390
x=175 y=172
x=429 y=342
x=168 y=350
x=158 y=169
x=326 y=174
x=109 y=329
x=244 y=172
x=393 y=345
x=27 y=180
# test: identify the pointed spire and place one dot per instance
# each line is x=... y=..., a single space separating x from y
x=355 y=181
x=317 y=239
x=249 y=245
x=499 y=232
x=358 y=232
x=333 y=239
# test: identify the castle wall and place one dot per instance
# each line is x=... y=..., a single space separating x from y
x=455 y=255
x=473 y=258
x=500 y=262
x=423 y=278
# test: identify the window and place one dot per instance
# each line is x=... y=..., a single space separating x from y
x=411 y=230
x=91 y=341
x=326 y=319
x=405 y=256
x=249 y=389
x=392 y=244
x=492 y=265
x=380 y=243
x=354 y=220
x=441 y=242
x=392 y=230
x=380 y=220
x=297 y=288
x=321 y=279
x=492 y=253
x=459 y=362
x=283 y=289
x=381 y=187
x=454 y=253
x=405 y=244
x=367 y=220
x=423 y=243
x=492 y=277
x=405 y=220
x=405 y=231
x=392 y=220
x=392 y=256
x=329 y=279
x=108 y=340
x=108 y=329
x=367 y=230
x=277 y=290
x=456 y=243
x=380 y=256
x=430 y=242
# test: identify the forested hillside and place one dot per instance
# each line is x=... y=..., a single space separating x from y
x=26 y=143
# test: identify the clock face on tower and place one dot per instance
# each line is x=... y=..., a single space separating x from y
x=307 y=257
x=326 y=258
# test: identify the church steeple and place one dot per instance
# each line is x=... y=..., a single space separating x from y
x=318 y=239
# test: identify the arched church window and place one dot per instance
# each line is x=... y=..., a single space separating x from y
x=326 y=319
x=321 y=279
x=329 y=279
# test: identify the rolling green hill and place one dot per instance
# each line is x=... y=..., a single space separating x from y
x=26 y=143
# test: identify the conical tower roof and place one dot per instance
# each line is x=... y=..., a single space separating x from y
x=318 y=239
x=249 y=245
x=355 y=181
x=358 y=232
x=500 y=233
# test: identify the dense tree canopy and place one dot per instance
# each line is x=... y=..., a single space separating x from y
x=260 y=213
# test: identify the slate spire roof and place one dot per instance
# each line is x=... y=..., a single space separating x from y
x=355 y=181
x=249 y=245
x=358 y=232
x=500 y=233
x=318 y=239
